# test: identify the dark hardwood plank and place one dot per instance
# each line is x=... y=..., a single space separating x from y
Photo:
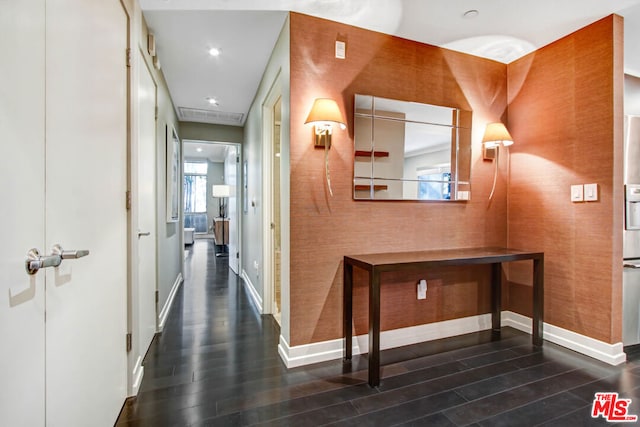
x=486 y=407
x=406 y=411
x=537 y=412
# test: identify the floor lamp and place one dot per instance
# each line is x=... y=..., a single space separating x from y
x=222 y=192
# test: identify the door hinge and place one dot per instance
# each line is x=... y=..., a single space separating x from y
x=129 y=339
x=237 y=159
x=156 y=112
x=128 y=199
x=128 y=53
x=157 y=296
x=238 y=255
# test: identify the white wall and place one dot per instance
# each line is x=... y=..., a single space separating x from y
x=632 y=95
x=210 y=132
x=252 y=233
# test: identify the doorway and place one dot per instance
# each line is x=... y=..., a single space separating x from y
x=276 y=226
x=211 y=196
x=274 y=229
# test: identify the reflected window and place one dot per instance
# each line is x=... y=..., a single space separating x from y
x=434 y=185
x=195 y=187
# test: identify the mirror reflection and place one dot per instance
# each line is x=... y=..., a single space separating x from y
x=410 y=151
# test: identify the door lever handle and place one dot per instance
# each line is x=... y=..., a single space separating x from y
x=57 y=250
x=146 y=233
x=35 y=261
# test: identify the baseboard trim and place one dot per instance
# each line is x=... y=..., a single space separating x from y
x=612 y=354
x=164 y=313
x=331 y=350
x=255 y=297
x=306 y=354
x=137 y=375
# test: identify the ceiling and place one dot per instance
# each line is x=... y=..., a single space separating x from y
x=201 y=150
x=246 y=31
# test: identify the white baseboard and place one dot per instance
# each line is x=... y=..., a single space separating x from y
x=330 y=350
x=137 y=375
x=333 y=349
x=612 y=354
x=255 y=296
x=164 y=313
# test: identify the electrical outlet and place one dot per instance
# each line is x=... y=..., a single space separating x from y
x=422 y=289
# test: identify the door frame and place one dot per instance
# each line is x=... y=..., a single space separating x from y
x=139 y=349
x=135 y=355
x=275 y=93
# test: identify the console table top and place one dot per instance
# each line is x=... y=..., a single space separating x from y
x=484 y=255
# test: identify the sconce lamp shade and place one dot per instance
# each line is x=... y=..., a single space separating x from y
x=325 y=110
x=220 y=191
x=496 y=134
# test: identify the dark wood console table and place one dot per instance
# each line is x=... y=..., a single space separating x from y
x=415 y=261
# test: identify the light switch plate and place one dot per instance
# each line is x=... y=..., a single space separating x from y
x=577 y=192
x=591 y=192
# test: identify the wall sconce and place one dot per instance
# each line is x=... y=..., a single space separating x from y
x=323 y=114
x=495 y=135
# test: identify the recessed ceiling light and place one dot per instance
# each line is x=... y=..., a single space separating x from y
x=199 y=150
x=212 y=101
x=470 y=14
x=214 y=51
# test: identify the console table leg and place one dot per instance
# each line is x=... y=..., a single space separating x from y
x=374 y=328
x=496 y=298
x=538 y=300
x=347 y=300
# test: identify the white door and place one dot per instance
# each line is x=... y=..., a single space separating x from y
x=231 y=178
x=86 y=183
x=66 y=118
x=22 y=215
x=147 y=318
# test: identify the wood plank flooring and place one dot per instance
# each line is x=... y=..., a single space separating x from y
x=216 y=364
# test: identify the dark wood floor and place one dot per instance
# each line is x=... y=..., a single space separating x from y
x=216 y=364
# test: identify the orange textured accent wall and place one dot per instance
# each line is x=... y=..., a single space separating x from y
x=325 y=228
x=565 y=114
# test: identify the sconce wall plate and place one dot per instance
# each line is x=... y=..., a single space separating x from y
x=488 y=153
x=322 y=137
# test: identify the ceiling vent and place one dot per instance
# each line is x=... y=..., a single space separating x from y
x=208 y=116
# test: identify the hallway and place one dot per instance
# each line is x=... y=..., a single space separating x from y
x=216 y=364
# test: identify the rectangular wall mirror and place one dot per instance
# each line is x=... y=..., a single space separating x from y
x=410 y=151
